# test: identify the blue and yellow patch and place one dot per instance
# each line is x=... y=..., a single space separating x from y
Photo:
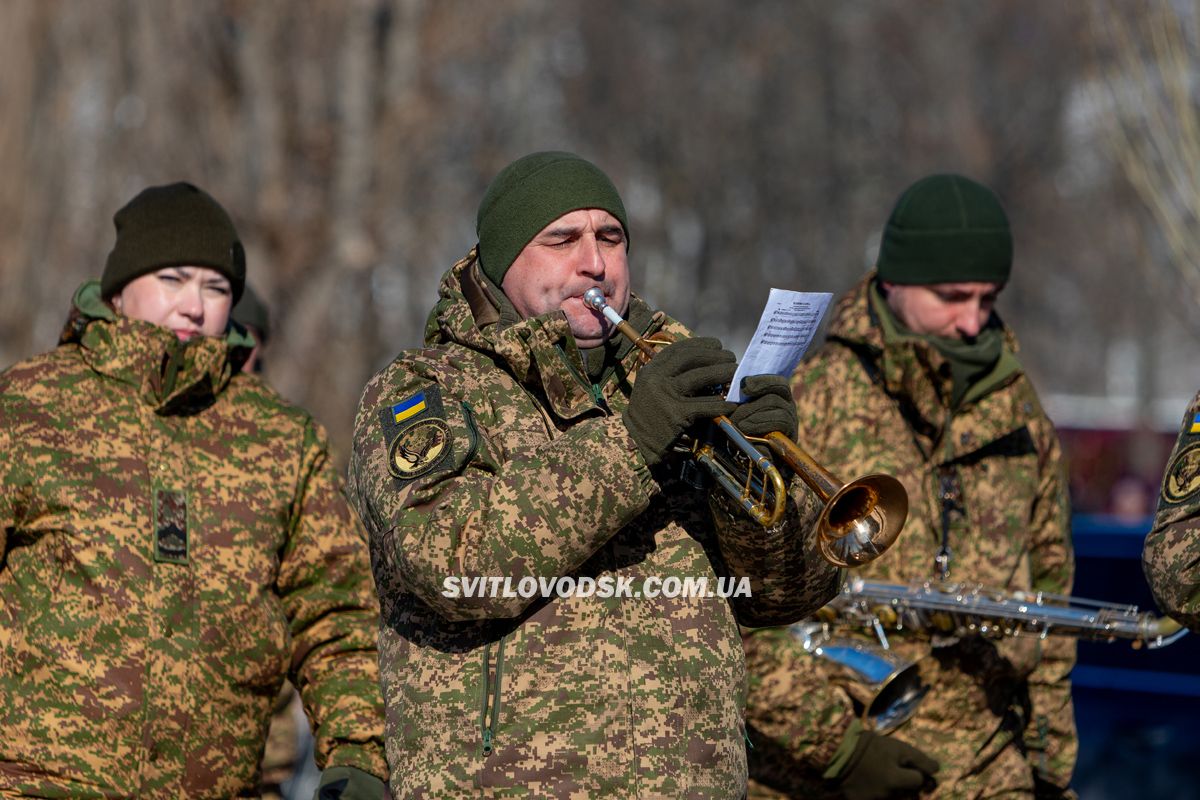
x=417 y=435
x=409 y=408
x=1195 y=424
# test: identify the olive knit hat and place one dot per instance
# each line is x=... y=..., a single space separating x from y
x=173 y=226
x=528 y=195
x=946 y=229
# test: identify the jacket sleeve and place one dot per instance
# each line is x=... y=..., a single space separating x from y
x=788 y=577
x=1050 y=736
x=1171 y=558
x=325 y=586
x=796 y=717
x=484 y=512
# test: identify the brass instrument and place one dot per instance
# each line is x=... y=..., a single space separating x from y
x=962 y=609
x=892 y=684
x=890 y=687
x=860 y=519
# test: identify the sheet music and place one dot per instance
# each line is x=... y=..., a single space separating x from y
x=785 y=330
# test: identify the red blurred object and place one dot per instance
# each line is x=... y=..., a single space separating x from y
x=1115 y=472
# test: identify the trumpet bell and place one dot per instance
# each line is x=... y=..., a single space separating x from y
x=862 y=520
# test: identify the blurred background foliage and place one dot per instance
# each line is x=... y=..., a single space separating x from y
x=757 y=144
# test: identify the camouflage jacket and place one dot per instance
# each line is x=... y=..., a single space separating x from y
x=174 y=543
x=507 y=462
x=1171 y=557
x=995 y=709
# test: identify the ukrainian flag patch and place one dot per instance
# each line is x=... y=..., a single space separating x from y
x=409 y=408
x=1195 y=424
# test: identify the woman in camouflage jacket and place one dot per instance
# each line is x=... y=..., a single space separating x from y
x=174 y=544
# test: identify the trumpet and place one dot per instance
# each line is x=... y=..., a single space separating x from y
x=859 y=521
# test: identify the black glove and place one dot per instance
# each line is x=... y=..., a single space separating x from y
x=674 y=391
x=1047 y=790
x=768 y=407
x=348 y=783
x=882 y=767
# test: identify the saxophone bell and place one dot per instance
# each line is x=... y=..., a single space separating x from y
x=888 y=686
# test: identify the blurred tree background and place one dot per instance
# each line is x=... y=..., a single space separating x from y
x=756 y=144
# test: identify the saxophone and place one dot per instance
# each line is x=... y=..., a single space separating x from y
x=949 y=610
x=946 y=612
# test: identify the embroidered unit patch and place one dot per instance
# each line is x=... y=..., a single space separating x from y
x=1183 y=476
x=418 y=448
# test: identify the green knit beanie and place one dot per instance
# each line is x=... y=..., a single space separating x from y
x=528 y=195
x=946 y=229
x=177 y=225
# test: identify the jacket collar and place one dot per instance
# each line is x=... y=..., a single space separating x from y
x=171 y=376
x=539 y=351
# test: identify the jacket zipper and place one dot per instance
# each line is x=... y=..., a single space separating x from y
x=592 y=388
x=488 y=722
x=950 y=494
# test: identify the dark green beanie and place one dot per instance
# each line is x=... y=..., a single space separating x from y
x=251 y=312
x=177 y=225
x=528 y=195
x=946 y=229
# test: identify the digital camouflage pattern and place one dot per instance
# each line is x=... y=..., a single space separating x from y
x=1171 y=558
x=570 y=697
x=997 y=712
x=174 y=544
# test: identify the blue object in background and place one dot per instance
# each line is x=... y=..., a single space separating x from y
x=1137 y=711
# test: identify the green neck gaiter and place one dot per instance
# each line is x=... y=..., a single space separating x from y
x=969 y=362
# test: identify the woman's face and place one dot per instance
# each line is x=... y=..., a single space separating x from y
x=191 y=301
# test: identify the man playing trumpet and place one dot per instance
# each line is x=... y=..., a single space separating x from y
x=526 y=442
x=919 y=379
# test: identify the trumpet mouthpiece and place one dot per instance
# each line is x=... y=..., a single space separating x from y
x=594 y=297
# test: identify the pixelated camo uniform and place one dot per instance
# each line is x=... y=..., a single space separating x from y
x=997 y=712
x=174 y=544
x=518 y=466
x=1171 y=558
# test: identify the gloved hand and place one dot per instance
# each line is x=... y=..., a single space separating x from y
x=768 y=407
x=673 y=391
x=1047 y=790
x=882 y=767
x=348 y=783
